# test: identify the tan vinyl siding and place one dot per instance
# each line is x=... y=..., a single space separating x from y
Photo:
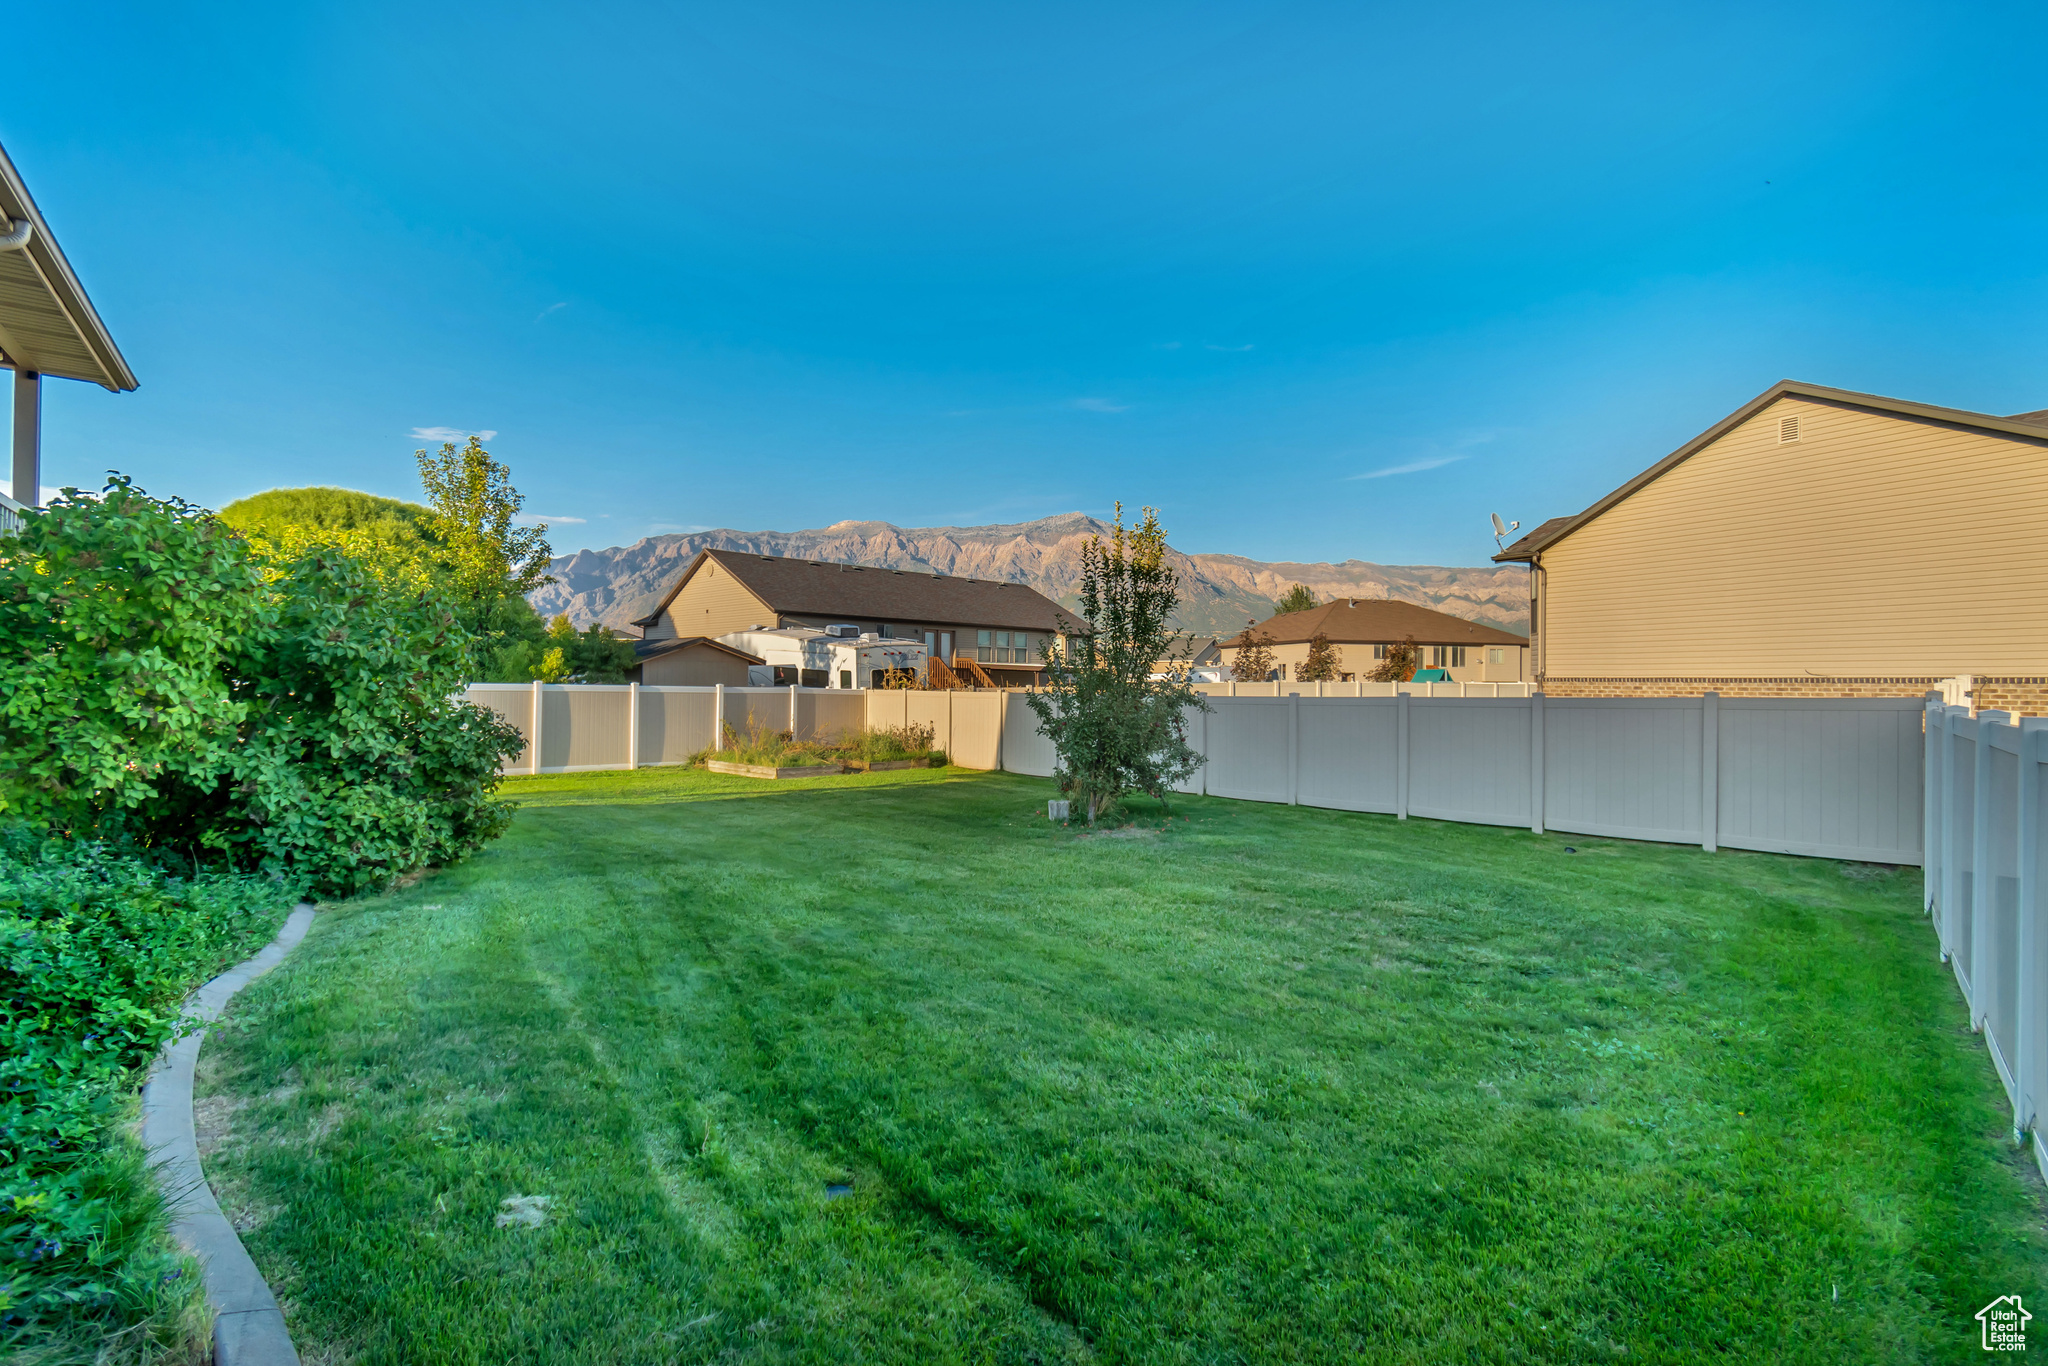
x=694 y=666
x=1874 y=544
x=712 y=603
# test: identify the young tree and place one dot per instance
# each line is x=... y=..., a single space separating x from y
x=1400 y=664
x=1299 y=598
x=1323 y=664
x=1114 y=727
x=1254 y=661
x=474 y=505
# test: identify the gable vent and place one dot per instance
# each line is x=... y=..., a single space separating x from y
x=1788 y=429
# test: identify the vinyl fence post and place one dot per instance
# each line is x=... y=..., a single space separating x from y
x=792 y=711
x=1946 y=909
x=1002 y=726
x=1930 y=806
x=632 y=725
x=1982 y=879
x=1401 y=756
x=1294 y=748
x=1710 y=771
x=2031 y=1026
x=718 y=716
x=536 y=727
x=1536 y=762
x=1202 y=748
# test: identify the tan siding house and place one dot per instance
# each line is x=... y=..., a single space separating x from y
x=1818 y=542
x=1362 y=629
x=1003 y=627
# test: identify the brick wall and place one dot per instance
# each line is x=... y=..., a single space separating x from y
x=2027 y=696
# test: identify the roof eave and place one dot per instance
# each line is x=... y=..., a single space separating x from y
x=1529 y=546
x=62 y=282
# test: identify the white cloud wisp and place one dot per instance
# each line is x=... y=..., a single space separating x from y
x=449 y=434
x=1412 y=467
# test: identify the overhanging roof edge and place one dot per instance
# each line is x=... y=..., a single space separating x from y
x=62 y=282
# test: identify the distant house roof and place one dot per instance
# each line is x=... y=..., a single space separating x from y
x=47 y=324
x=857 y=593
x=2033 y=426
x=1378 y=621
x=644 y=650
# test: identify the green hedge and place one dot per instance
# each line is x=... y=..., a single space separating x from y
x=97 y=954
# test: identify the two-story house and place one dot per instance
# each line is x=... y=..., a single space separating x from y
x=979 y=626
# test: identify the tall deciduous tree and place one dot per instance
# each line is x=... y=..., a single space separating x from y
x=474 y=509
x=1254 y=660
x=1299 y=598
x=1114 y=727
x=1323 y=664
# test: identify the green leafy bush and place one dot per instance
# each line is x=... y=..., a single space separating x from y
x=118 y=616
x=357 y=763
x=97 y=954
x=161 y=685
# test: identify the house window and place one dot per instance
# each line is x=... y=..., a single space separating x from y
x=1436 y=656
x=1496 y=655
x=1379 y=652
x=1457 y=656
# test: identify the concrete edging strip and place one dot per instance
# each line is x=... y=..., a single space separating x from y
x=248 y=1326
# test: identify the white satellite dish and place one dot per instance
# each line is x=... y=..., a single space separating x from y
x=1501 y=529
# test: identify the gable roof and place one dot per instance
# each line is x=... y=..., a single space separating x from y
x=47 y=324
x=866 y=593
x=2032 y=426
x=644 y=650
x=1378 y=621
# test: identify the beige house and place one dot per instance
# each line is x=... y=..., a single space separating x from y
x=1363 y=628
x=1814 y=542
x=984 y=628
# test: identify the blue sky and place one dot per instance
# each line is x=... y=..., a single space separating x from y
x=1321 y=281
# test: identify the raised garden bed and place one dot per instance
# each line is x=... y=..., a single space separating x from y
x=765 y=771
x=884 y=765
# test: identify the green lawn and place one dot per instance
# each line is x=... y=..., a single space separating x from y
x=1267 y=1085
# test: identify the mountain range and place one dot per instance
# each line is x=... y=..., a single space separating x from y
x=1219 y=593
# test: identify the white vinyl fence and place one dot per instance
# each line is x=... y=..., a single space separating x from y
x=1829 y=777
x=586 y=726
x=1983 y=886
